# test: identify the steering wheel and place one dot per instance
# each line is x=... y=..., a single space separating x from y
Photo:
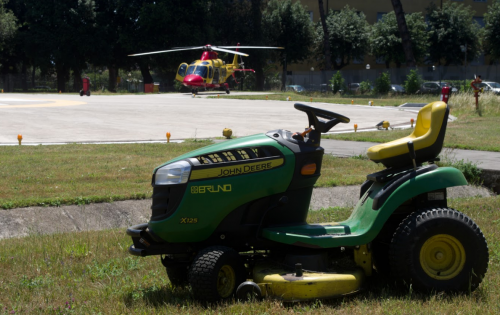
x=321 y=126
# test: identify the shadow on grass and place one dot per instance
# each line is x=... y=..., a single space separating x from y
x=376 y=289
x=159 y=296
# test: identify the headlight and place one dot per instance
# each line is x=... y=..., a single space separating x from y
x=171 y=174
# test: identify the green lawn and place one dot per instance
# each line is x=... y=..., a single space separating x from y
x=80 y=174
x=378 y=100
x=92 y=273
x=468 y=132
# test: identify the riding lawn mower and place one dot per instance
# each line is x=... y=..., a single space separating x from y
x=230 y=219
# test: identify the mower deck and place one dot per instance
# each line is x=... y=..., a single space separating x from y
x=280 y=283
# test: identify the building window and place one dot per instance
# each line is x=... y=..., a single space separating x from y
x=380 y=15
x=311 y=15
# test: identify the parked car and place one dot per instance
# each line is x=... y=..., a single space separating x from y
x=397 y=89
x=295 y=88
x=353 y=87
x=435 y=87
x=490 y=86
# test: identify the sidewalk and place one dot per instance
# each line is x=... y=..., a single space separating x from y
x=484 y=159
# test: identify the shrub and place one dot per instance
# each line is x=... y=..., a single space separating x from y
x=413 y=82
x=365 y=87
x=337 y=82
x=383 y=83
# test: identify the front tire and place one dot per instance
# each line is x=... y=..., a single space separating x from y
x=216 y=273
x=439 y=250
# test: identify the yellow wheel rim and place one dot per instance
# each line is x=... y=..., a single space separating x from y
x=226 y=281
x=442 y=257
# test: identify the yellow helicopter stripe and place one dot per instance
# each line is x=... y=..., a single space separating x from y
x=239 y=169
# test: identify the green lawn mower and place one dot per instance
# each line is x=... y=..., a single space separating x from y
x=230 y=219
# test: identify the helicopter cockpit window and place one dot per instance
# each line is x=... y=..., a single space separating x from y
x=201 y=71
x=182 y=70
x=205 y=63
x=190 y=70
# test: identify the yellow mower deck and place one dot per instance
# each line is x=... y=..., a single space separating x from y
x=279 y=283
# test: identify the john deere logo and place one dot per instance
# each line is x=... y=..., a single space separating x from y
x=240 y=169
x=210 y=189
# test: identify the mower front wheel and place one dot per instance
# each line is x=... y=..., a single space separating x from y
x=439 y=250
x=216 y=273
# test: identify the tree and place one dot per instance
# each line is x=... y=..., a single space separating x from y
x=348 y=34
x=386 y=41
x=63 y=31
x=7 y=24
x=288 y=25
x=326 y=37
x=449 y=28
x=404 y=33
x=492 y=30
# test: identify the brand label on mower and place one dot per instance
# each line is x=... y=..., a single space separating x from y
x=239 y=169
x=210 y=189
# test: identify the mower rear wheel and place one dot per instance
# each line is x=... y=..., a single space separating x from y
x=216 y=273
x=439 y=250
x=178 y=275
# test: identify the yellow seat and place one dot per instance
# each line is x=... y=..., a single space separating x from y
x=427 y=137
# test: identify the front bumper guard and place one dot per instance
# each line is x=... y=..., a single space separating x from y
x=147 y=244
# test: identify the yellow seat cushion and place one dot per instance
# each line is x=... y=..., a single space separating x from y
x=427 y=127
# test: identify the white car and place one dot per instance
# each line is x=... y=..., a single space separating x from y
x=490 y=86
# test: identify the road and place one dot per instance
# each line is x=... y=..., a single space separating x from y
x=49 y=118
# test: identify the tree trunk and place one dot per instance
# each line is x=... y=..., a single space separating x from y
x=33 y=77
x=259 y=60
x=113 y=74
x=77 y=81
x=326 y=37
x=62 y=77
x=404 y=33
x=24 y=77
x=283 y=77
x=146 y=75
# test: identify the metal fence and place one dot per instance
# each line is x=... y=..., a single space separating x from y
x=311 y=80
x=314 y=79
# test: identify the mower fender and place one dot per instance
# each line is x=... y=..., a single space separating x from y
x=366 y=222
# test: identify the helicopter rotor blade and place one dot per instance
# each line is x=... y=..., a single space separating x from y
x=164 y=51
x=251 y=47
x=229 y=51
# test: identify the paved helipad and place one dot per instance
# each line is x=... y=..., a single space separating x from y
x=49 y=118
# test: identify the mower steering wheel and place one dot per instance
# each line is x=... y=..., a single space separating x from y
x=320 y=125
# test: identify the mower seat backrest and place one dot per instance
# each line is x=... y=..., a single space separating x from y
x=427 y=137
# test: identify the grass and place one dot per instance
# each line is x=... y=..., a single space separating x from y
x=83 y=174
x=92 y=273
x=471 y=131
x=379 y=100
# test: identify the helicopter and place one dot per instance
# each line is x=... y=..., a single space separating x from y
x=209 y=71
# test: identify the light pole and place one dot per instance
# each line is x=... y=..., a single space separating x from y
x=310 y=78
x=367 y=68
x=463 y=48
